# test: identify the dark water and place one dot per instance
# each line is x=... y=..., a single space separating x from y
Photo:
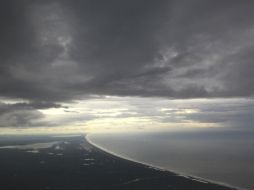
x=226 y=157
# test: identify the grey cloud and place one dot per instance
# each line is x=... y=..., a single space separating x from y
x=17 y=115
x=38 y=105
x=59 y=51
x=25 y=114
x=230 y=114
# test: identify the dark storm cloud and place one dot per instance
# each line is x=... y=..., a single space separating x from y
x=55 y=51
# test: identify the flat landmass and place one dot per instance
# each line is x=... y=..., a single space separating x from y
x=72 y=163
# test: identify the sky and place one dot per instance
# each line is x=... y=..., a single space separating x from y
x=94 y=65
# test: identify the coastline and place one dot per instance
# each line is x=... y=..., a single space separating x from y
x=190 y=177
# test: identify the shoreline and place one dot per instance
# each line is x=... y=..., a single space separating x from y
x=190 y=177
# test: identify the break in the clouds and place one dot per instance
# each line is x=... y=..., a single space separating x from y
x=58 y=51
x=131 y=113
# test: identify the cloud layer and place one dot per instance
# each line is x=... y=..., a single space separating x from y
x=58 y=51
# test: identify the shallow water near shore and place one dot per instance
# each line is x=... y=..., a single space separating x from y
x=225 y=157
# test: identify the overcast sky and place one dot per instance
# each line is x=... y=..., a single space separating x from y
x=126 y=63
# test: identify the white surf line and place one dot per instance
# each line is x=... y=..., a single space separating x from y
x=193 y=177
x=201 y=181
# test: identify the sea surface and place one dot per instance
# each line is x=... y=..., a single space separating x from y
x=225 y=157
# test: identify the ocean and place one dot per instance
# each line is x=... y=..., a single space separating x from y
x=225 y=157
